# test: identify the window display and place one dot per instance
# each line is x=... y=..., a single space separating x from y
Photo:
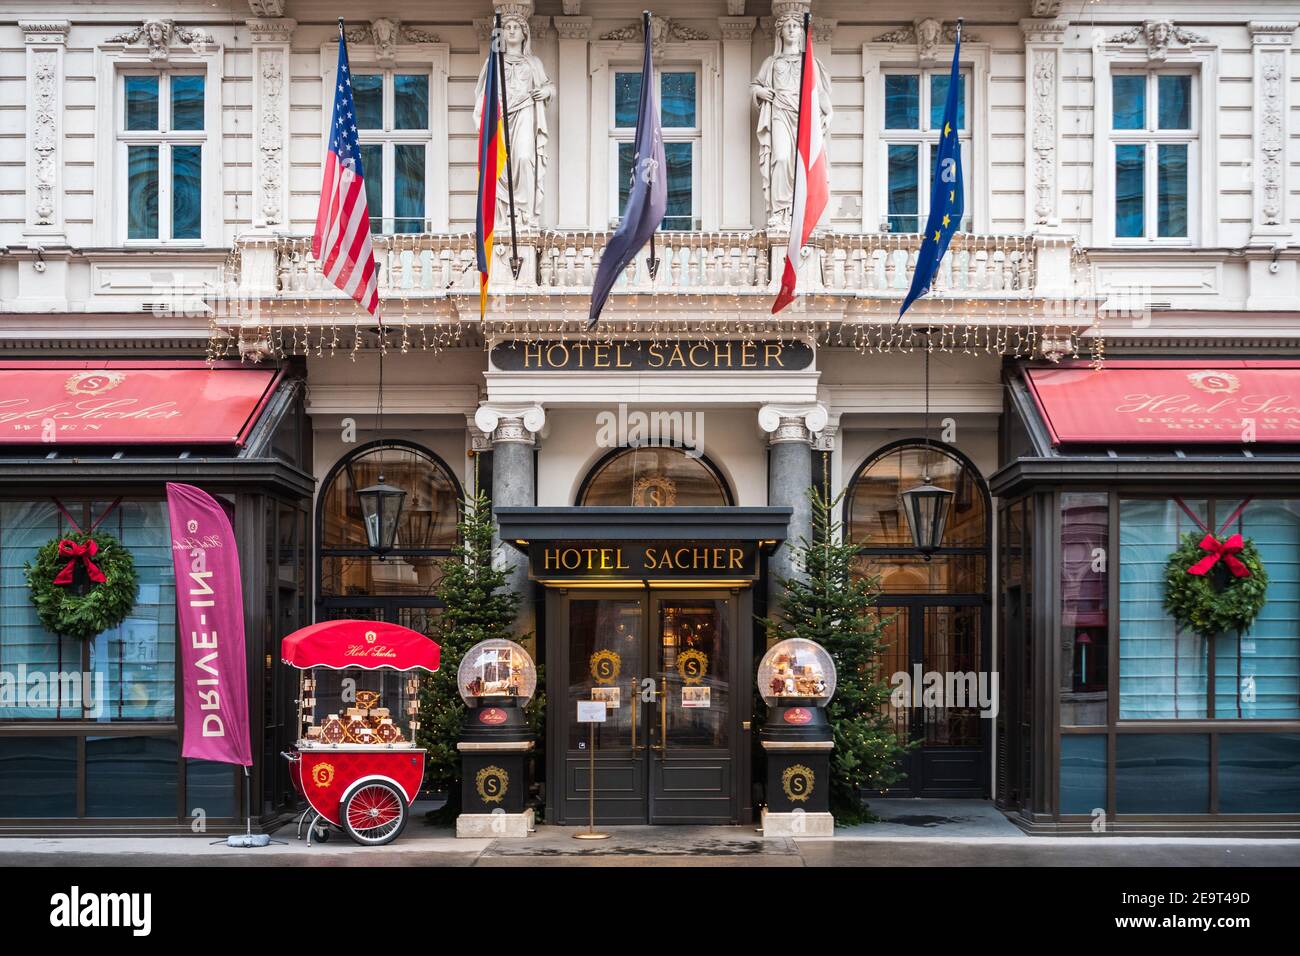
x=497 y=669
x=796 y=670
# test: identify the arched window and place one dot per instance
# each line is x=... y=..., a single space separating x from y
x=874 y=520
x=426 y=532
x=653 y=476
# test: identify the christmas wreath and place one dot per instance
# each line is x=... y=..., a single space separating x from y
x=1214 y=586
x=111 y=594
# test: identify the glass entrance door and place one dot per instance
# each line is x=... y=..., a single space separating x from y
x=664 y=665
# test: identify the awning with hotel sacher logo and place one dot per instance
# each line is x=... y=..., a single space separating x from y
x=134 y=402
x=1131 y=401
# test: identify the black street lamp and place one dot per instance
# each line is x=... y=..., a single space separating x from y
x=926 y=505
x=381 y=507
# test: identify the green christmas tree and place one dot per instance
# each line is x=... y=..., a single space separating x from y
x=832 y=606
x=476 y=608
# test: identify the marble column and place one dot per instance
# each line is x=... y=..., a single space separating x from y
x=513 y=430
x=790 y=430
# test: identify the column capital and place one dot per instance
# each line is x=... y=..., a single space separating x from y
x=510 y=423
x=1044 y=30
x=276 y=30
x=787 y=423
x=572 y=28
x=737 y=28
x=45 y=32
x=1272 y=33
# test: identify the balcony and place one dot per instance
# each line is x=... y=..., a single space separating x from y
x=871 y=270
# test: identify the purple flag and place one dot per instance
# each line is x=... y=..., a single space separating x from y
x=210 y=609
x=648 y=199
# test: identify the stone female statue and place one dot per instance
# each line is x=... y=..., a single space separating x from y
x=527 y=91
x=776 y=94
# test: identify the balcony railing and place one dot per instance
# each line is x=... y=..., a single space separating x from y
x=877 y=265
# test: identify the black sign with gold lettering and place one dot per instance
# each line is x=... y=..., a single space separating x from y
x=648 y=559
x=687 y=356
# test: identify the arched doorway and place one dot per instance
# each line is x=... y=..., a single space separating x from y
x=401 y=586
x=935 y=612
x=654 y=476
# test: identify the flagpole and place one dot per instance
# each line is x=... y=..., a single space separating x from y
x=798 y=131
x=515 y=262
x=652 y=263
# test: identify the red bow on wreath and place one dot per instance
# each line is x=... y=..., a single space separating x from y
x=1227 y=550
x=79 y=552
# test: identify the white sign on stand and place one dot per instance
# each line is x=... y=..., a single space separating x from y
x=591 y=711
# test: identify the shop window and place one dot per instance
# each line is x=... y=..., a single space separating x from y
x=1162 y=773
x=654 y=477
x=38 y=777
x=1154 y=139
x=679 y=118
x=131 y=668
x=393 y=130
x=912 y=110
x=1083 y=773
x=131 y=777
x=210 y=787
x=1164 y=670
x=1085 y=605
x=426 y=532
x=1259 y=773
x=162 y=137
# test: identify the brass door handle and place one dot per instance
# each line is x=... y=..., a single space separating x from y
x=635 y=747
x=662 y=746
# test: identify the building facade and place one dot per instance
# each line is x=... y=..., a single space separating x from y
x=1132 y=177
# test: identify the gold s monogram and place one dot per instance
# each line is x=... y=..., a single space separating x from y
x=93 y=383
x=797 y=782
x=492 y=783
x=605 y=666
x=654 y=491
x=692 y=665
x=323 y=774
x=1214 y=382
x=370 y=637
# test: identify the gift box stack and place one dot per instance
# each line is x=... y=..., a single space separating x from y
x=366 y=723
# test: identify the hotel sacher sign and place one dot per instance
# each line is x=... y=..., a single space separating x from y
x=693 y=355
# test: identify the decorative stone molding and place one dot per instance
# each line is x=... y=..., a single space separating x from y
x=271 y=31
x=662 y=32
x=483 y=29
x=823 y=29
x=1044 y=40
x=824 y=440
x=266 y=8
x=159 y=35
x=573 y=28
x=927 y=35
x=479 y=440
x=270 y=43
x=510 y=423
x=1045 y=8
x=1271 y=43
x=789 y=423
x=45 y=42
x=539 y=28
x=737 y=28
x=1157 y=35
x=385 y=33
x=1044 y=31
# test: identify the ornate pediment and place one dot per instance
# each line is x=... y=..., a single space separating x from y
x=662 y=31
x=927 y=34
x=1158 y=36
x=159 y=35
x=386 y=33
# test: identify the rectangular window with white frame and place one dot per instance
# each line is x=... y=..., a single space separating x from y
x=395 y=133
x=911 y=111
x=679 y=118
x=1154 y=138
x=162 y=145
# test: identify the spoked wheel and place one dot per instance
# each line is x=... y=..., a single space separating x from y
x=374 y=813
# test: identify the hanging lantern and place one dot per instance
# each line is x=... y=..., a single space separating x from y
x=381 y=507
x=926 y=509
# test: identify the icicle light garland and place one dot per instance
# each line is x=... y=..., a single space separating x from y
x=711 y=285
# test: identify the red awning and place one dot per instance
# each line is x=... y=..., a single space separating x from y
x=1177 y=402
x=130 y=402
x=370 y=645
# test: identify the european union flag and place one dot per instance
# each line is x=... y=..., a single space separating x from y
x=947 y=197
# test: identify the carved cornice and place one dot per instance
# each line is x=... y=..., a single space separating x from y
x=159 y=35
x=823 y=29
x=1158 y=36
x=662 y=30
x=385 y=33
x=45 y=32
x=1045 y=8
x=1267 y=33
x=1044 y=31
x=737 y=28
x=926 y=35
x=573 y=28
x=539 y=28
x=271 y=31
x=266 y=8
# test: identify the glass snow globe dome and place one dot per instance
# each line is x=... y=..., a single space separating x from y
x=498 y=672
x=796 y=671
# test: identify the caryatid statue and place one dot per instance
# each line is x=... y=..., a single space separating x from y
x=527 y=91
x=776 y=94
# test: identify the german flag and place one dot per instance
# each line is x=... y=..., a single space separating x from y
x=491 y=161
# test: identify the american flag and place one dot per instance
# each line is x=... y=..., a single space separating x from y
x=341 y=243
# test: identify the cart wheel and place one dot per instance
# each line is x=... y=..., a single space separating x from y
x=321 y=834
x=374 y=814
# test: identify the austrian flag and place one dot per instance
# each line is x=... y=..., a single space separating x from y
x=812 y=183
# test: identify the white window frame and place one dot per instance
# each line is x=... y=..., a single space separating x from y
x=618 y=135
x=1202 y=61
x=879 y=58
x=608 y=56
x=389 y=136
x=1151 y=137
x=431 y=58
x=112 y=62
x=926 y=139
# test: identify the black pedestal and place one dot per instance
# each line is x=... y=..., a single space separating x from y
x=797 y=741
x=495 y=754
